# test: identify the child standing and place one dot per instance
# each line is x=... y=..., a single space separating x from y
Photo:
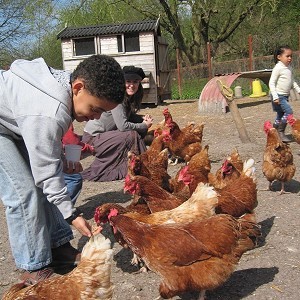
x=38 y=105
x=280 y=84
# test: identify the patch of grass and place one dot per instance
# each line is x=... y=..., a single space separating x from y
x=190 y=89
x=246 y=85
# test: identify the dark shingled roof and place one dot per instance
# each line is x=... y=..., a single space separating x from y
x=105 y=29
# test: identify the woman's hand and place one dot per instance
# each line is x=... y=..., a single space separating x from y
x=276 y=101
x=148 y=120
x=147 y=117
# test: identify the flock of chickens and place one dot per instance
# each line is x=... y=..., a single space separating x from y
x=190 y=229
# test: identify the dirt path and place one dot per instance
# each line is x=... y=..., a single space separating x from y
x=271 y=271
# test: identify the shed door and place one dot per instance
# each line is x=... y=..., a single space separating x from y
x=163 y=70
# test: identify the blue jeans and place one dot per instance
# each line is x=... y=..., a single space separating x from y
x=282 y=110
x=34 y=224
x=74 y=185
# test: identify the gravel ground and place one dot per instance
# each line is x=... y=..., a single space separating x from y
x=270 y=271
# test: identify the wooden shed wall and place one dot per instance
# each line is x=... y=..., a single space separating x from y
x=145 y=58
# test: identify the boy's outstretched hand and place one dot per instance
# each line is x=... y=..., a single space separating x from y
x=72 y=167
x=83 y=226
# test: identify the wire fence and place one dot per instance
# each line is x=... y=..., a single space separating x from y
x=193 y=78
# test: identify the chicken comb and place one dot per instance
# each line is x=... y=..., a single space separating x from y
x=96 y=216
x=166 y=136
x=165 y=111
x=130 y=185
x=267 y=126
x=113 y=212
x=184 y=170
x=127 y=181
x=224 y=166
x=168 y=116
x=132 y=159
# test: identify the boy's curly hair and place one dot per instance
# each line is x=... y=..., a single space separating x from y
x=102 y=76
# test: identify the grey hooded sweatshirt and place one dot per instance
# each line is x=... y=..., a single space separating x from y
x=35 y=107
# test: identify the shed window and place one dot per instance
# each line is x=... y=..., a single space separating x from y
x=131 y=42
x=85 y=46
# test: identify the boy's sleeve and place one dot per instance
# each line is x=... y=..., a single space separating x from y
x=42 y=137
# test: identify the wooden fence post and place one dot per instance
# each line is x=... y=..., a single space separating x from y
x=239 y=123
x=178 y=73
x=299 y=38
x=209 y=61
x=250 y=42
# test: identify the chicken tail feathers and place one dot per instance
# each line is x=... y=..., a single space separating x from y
x=250 y=231
x=249 y=169
x=97 y=243
x=98 y=249
x=205 y=191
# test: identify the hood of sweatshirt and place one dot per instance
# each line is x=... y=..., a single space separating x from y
x=37 y=74
x=37 y=108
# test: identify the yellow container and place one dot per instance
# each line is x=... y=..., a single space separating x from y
x=256 y=89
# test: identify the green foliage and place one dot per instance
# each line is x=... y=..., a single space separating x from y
x=50 y=50
x=190 y=89
x=97 y=12
x=270 y=22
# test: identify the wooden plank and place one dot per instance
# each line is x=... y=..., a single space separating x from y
x=228 y=95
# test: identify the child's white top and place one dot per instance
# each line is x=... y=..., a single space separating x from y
x=282 y=81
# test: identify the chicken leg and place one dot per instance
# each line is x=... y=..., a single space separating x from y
x=202 y=295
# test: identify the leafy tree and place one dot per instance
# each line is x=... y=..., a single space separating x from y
x=274 y=25
x=23 y=24
x=193 y=24
x=95 y=12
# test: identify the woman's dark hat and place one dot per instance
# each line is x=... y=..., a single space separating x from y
x=133 y=73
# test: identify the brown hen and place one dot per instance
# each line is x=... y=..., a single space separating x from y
x=152 y=166
x=144 y=189
x=277 y=159
x=295 y=125
x=183 y=143
x=197 y=256
x=89 y=280
x=200 y=205
x=240 y=195
x=230 y=169
x=196 y=171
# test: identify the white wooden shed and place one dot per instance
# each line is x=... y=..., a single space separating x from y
x=139 y=44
